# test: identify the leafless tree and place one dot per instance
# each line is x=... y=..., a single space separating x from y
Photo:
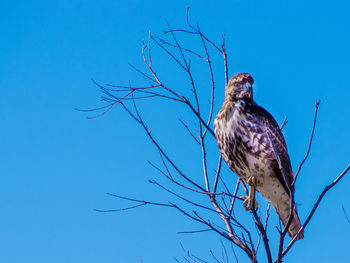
x=218 y=212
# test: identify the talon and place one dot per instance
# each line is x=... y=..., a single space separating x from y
x=249 y=203
x=251 y=181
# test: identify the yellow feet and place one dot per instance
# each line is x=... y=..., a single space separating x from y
x=249 y=202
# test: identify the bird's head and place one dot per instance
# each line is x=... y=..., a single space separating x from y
x=240 y=87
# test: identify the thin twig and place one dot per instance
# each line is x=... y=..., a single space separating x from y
x=189 y=131
x=234 y=199
x=345 y=214
x=223 y=46
x=310 y=142
x=262 y=230
x=181 y=197
x=284 y=123
x=217 y=174
x=162 y=151
x=326 y=189
x=120 y=209
x=195 y=231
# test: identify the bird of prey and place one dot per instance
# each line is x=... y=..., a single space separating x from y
x=254 y=148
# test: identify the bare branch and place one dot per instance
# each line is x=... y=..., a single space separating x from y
x=223 y=46
x=310 y=142
x=326 y=189
x=181 y=197
x=345 y=214
x=142 y=73
x=234 y=253
x=212 y=83
x=185 y=125
x=217 y=174
x=225 y=256
x=168 y=176
x=267 y=215
x=262 y=230
x=164 y=42
x=162 y=151
x=195 y=231
x=214 y=257
x=284 y=123
x=234 y=199
x=120 y=209
x=230 y=237
x=142 y=202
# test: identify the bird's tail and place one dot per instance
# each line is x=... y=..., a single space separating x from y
x=295 y=225
x=280 y=200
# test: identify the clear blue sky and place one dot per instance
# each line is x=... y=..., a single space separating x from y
x=56 y=165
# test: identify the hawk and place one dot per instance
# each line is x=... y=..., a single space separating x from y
x=251 y=143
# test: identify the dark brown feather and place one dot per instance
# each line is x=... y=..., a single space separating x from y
x=279 y=144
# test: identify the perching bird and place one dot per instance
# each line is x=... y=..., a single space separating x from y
x=251 y=143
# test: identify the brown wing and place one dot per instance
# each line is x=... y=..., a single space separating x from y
x=279 y=144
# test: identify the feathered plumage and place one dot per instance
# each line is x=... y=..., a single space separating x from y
x=244 y=132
